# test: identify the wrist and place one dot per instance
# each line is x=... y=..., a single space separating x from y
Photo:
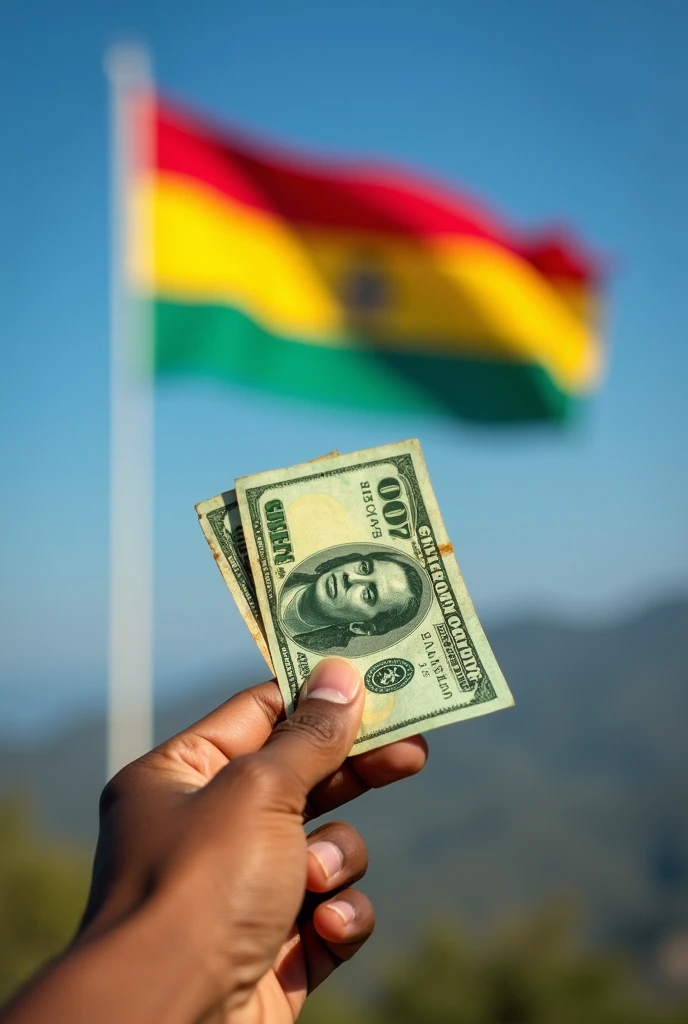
x=162 y=951
x=146 y=968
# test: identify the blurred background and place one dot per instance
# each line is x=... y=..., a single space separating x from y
x=538 y=869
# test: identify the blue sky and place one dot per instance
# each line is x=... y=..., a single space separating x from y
x=549 y=111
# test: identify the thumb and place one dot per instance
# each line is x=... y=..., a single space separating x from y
x=317 y=738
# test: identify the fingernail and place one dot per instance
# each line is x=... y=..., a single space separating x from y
x=329 y=857
x=334 y=679
x=345 y=910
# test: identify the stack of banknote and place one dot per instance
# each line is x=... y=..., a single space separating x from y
x=347 y=555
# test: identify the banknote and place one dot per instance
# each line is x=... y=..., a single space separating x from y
x=350 y=557
x=221 y=524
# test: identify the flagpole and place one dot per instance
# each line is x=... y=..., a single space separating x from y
x=130 y=656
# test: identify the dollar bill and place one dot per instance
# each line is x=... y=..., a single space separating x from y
x=221 y=524
x=351 y=558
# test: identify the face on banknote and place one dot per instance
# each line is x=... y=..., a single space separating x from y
x=350 y=557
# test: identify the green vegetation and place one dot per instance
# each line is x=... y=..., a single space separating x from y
x=532 y=971
x=43 y=890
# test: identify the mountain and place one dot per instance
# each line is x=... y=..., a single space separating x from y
x=581 y=790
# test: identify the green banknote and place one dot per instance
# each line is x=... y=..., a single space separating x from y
x=351 y=558
x=221 y=525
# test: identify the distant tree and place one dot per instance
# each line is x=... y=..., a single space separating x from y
x=43 y=887
x=330 y=1005
x=533 y=972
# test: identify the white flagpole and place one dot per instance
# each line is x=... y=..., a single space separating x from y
x=130 y=663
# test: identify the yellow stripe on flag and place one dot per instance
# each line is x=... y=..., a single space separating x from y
x=446 y=295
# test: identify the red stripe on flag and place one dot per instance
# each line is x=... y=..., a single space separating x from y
x=317 y=193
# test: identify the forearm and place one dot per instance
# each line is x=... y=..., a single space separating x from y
x=128 y=974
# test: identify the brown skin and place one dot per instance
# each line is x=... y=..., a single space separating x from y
x=206 y=904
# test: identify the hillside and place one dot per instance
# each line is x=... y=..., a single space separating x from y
x=581 y=789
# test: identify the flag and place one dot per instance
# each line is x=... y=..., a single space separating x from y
x=355 y=284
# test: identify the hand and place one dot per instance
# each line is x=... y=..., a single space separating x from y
x=202 y=849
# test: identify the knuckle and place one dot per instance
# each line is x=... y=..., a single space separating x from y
x=188 y=749
x=258 y=774
x=115 y=789
x=339 y=831
x=316 y=728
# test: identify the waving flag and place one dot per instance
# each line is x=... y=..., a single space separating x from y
x=355 y=284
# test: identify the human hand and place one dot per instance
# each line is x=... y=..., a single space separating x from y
x=204 y=835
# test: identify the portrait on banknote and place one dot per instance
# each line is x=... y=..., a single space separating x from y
x=354 y=599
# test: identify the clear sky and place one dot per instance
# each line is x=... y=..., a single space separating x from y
x=549 y=111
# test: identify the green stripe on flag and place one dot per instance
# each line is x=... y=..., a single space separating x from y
x=222 y=342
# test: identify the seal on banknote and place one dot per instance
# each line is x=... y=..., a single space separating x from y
x=389 y=675
x=354 y=599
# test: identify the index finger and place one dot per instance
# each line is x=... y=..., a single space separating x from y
x=239 y=726
x=243 y=724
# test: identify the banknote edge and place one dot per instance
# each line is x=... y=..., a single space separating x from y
x=204 y=510
x=412 y=726
x=238 y=581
